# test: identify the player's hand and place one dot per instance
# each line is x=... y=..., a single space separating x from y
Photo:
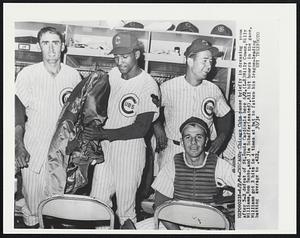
x=22 y=156
x=93 y=133
x=161 y=137
x=217 y=144
x=161 y=141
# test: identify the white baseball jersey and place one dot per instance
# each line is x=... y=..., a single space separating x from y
x=43 y=97
x=229 y=151
x=182 y=101
x=124 y=159
x=128 y=98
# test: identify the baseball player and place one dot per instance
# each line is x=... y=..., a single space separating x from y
x=191 y=95
x=193 y=175
x=130 y=114
x=41 y=90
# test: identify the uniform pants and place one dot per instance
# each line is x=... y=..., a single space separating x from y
x=33 y=190
x=120 y=173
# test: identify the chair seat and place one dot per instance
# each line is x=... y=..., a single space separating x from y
x=193 y=214
x=76 y=208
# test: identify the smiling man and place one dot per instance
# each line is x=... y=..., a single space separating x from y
x=41 y=91
x=192 y=175
x=130 y=114
x=193 y=95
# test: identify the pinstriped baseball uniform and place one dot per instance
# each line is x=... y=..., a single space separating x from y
x=43 y=97
x=181 y=101
x=229 y=152
x=124 y=159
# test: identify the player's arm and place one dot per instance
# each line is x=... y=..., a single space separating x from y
x=21 y=154
x=159 y=199
x=224 y=127
x=158 y=125
x=137 y=130
x=159 y=132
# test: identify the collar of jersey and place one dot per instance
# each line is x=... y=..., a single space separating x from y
x=188 y=85
x=195 y=167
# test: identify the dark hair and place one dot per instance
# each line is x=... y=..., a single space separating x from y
x=52 y=30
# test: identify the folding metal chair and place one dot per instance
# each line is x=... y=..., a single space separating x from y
x=76 y=208
x=192 y=214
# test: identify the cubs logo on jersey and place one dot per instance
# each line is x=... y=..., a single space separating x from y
x=64 y=95
x=128 y=105
x=208 y=106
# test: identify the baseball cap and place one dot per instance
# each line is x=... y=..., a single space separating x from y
x=124 y=43
x=194 y=120
x=221 y=30
x=187 y=27
x=134 y=24
x=199 y=45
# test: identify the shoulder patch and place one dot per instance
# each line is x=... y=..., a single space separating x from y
x=155 y=100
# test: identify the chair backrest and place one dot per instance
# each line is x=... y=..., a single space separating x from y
x=75 y=207
x=192 y=214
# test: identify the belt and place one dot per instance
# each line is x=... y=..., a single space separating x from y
x=175 y=142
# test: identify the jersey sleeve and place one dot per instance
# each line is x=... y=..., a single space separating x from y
x=23 y=87
x=224 y=173
x=164 y=182
x=147 y=103
x=113 y=76
x=221 y=108
x=229 y=152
